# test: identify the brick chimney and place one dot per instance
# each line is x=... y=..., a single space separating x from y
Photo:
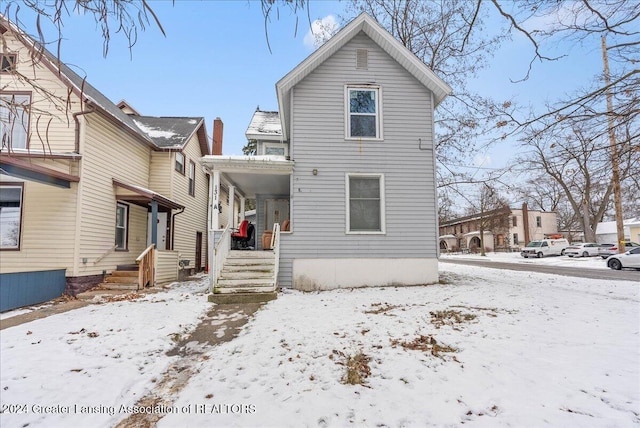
x=217 y=136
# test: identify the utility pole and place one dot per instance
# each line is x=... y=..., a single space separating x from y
x=617 y=194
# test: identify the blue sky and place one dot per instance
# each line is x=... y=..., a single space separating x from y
x=215 y=62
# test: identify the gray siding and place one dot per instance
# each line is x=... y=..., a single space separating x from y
x=318 y=207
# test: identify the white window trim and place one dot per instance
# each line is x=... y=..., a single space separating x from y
x=126 y=225
x=175 y=163
x=276 y=145
x=347 y=113
x=383 y=229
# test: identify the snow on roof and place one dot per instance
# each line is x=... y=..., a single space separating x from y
x=264 y=124
x=168 y=132
x=610 y=227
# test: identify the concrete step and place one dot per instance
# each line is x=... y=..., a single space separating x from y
x=252 y=282
x=247 y=289
x=235 y=298
x=246 y=275
x=235 y=254
x=258 y=267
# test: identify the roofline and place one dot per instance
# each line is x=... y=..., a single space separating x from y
x=48 y=62
x=370 y=26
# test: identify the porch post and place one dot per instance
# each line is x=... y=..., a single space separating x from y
x=154 y=223
x=242 y=202
x=232 y=206
x=215 y=188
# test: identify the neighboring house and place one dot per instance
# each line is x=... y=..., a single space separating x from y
x=346 y=168
x=607 y=231
x=506 y=229
x=85 y=185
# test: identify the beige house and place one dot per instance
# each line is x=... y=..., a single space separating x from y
x=504 y=229
x=87 y=186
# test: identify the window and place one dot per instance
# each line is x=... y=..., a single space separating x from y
x=122 y=223
x=365 y=203
x=10 y=216
x=515 y=238
x=192 y=178
x=180 y=163
x=538 y=221
x=8 y=63
x=14 y=120
x=363 y=112
x=275 y=149
x=515 y=221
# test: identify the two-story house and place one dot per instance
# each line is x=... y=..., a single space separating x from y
x=344 y=177
x=87 y=186
x=504 y=229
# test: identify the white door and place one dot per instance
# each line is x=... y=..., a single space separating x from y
x=161 y=232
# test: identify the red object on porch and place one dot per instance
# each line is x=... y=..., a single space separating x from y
x=242 y=232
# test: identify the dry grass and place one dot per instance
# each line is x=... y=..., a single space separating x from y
x=427 y=344
x=357 y=367
x=380 y=308
x=450 y=318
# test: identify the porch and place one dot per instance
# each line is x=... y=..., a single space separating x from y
x=267 y=180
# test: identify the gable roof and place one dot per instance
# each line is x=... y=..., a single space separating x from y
x=363 y=23
x=90 y=95
x=265 y=125
x=172 y=133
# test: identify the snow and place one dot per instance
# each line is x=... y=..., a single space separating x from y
x=563 y=261
x=534 y=350
x=154 y=133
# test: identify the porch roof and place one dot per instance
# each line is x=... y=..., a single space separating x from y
x=253 y=175
x=140 y=196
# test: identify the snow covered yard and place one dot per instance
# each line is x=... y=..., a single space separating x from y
x=564 y=261
x=485 y=348
x=530 y=350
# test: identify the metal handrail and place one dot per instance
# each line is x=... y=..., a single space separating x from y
x=275 y=245
x=220 y=251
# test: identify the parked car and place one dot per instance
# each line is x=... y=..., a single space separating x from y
x=545 y=247
x=585 y=249
x=630 y=259
x=606 y=250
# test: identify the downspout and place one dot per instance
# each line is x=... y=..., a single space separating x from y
x=173 y=229
x=77 y=122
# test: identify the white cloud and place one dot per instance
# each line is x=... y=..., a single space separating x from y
x=321 y=30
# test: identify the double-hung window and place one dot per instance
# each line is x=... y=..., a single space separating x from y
x=365 y=203
x=14 y=120
x=10 y=216
x=363 y=118
x=122 y=223
x=179 y=166
x=192 y=178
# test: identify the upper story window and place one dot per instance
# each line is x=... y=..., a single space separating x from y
x=14 y=120
x=10 y=216
x=179 y=162
x=8 y=63
x=538 y=221
x=363 y=112
x=192 y=178
x=278 y=149
x=515 y=221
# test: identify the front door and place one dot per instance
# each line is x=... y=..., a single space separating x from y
x=161 y=232
x=276 y=211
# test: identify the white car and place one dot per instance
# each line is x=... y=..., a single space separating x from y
x=630 y=259
x=585 y=249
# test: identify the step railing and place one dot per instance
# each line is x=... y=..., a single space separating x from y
x=221 y=251
x=146 y=267
x=275 y=245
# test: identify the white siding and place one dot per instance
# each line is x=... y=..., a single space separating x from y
x=194 y=217
x=317 y=142
x=166 y=266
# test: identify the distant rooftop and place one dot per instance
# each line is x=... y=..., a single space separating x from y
x=168 y=132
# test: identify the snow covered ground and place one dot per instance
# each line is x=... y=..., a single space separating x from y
x=484 y=348
x=583 y=262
